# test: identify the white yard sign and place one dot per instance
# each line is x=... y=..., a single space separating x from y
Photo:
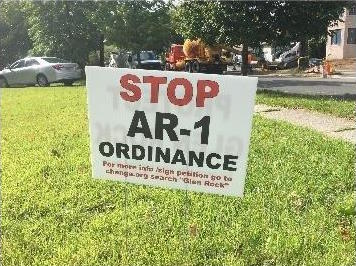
x=170 y=129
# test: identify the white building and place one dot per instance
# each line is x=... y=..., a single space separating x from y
x=342 y=43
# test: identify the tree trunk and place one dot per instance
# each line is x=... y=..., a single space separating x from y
x=303 y=48
x=101 y=50
x=244 y=66
x=69 y=54
x=303 y=55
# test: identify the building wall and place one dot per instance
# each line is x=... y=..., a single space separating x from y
x=335 y=51
x=342 y=50
x=349 y=49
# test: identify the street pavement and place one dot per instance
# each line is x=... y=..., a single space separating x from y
x=344 y=87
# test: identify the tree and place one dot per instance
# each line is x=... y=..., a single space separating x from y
x=14 y=39
x=100 y=14
x=302 y=22
x=74 y=29
x=316 y=47
x=225 y=22
x=251 y=23
x=138 y=25
x=62 y=29
x=133 y=25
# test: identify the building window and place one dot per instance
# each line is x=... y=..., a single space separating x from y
x=351 y=35
x=336 y=37
x=352 y=10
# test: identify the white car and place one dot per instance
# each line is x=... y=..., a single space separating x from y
x=40 y=70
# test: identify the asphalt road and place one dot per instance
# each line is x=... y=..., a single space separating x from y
x=343 y=87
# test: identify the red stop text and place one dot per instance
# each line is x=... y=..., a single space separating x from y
x=205 y=89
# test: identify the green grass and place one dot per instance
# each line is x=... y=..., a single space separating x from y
x=337 y=107
x=298 y=207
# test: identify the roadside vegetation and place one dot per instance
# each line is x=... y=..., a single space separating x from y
x=333 y=106
x=298 y=207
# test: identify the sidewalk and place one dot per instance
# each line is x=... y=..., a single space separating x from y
x=285 y=74
x=345 y=75
x=335 y=127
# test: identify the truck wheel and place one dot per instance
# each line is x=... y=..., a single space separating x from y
x=68 y=83
x=42 y=81
x=219 y=71
x=195 y=67
x=188 y=67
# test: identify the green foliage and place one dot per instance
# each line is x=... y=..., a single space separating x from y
x=61 y=28
x=138 y=25
x=302 y=22
x=298 y=22
x=297 y=209
x=14 y=39
x=72 y=29
x=316 y=47
x=196 y=19
x=225 y=22
x=93 y=59
x=238 y=22
x=342 y=108
x=251 y=23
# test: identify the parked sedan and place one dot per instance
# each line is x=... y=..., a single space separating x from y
x=41 y=71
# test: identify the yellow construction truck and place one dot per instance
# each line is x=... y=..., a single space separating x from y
x=196 y=57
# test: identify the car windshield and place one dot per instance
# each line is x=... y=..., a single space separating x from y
x=54 y=60
x=18 y=64
x=147 y=56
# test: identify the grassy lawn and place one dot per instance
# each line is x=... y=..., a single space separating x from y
x=337 y=107
x=297 y=210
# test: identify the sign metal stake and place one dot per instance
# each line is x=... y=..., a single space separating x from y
x=186 y=226
x=126 y=221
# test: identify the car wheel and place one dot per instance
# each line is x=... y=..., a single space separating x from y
x=68 y=83
x=195 y=67
x=42 y=81
x=220 y=71
x=3 y=83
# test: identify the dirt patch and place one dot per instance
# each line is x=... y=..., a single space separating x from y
x=344 y=64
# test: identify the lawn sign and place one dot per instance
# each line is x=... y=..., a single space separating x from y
x=170 y=129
